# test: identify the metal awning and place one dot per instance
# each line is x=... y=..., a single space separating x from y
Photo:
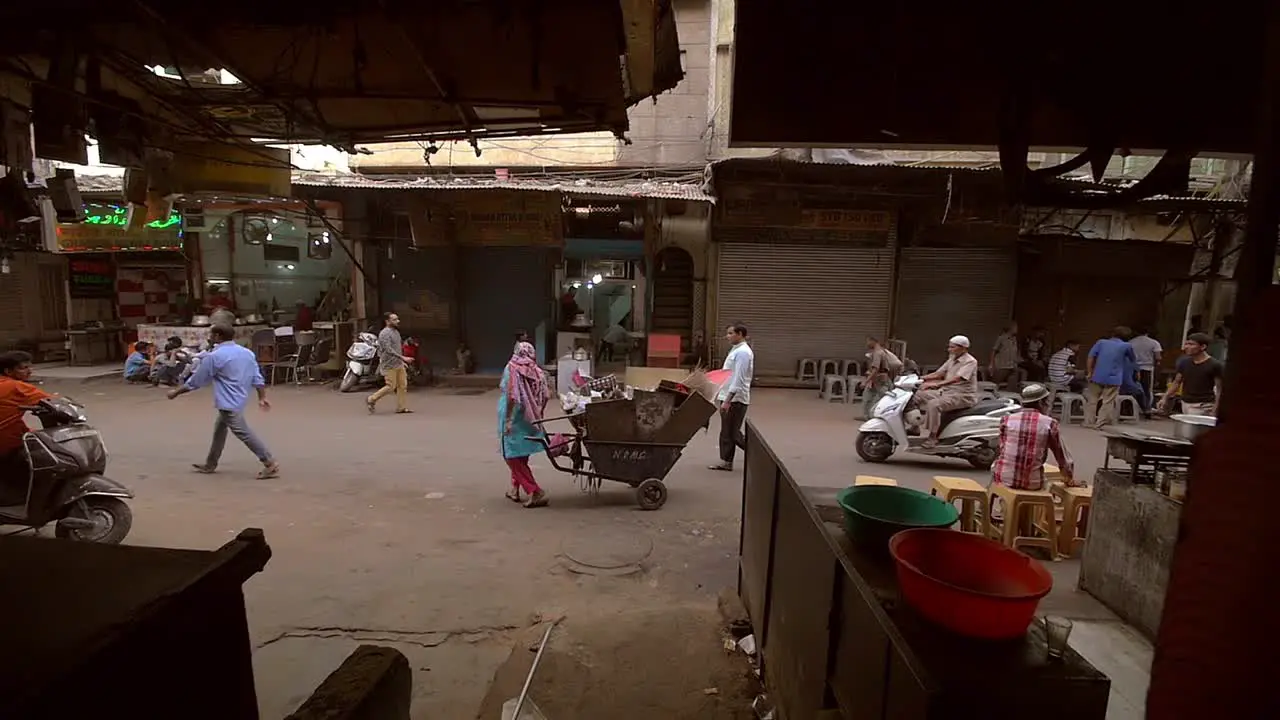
x=336 y=74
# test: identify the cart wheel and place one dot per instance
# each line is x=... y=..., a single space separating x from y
x=651 y=494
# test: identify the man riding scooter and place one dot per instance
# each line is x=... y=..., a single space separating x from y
x=954 y=386
x=15 y=395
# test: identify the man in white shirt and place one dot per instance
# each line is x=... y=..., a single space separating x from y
x=953 y=386
x=735 y=395
x=1146 y=351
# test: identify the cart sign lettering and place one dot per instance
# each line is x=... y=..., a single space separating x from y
x=636 y=455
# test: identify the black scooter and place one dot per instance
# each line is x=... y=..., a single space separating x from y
x=65 y=483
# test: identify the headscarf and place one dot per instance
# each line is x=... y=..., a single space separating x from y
x=527 y=384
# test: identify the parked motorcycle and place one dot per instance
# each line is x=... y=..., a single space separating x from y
x=65 y=483
x=972 y=434
x=362 y=363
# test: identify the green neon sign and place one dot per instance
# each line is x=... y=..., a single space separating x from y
x=116 y=216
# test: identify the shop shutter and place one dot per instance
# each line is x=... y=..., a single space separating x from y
x=417 y=283
x=13 y=325
x=954 y=291
x=803 y=301
x=504 y=289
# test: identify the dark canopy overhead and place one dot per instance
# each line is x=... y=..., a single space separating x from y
x=1135 y=75
x=337 y=73
x=1105 y=76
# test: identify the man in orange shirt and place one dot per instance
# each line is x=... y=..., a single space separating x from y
x=15 y=394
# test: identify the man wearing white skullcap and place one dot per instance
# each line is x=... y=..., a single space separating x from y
x=954 y=386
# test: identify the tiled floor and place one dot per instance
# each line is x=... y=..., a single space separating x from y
x=1125 y=656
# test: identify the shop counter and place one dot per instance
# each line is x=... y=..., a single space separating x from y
x=194 y=335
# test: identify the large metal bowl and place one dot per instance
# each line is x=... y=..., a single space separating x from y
x=1191 y=427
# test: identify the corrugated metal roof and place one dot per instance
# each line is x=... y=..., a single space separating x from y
x=634 y=189
x=638 y=189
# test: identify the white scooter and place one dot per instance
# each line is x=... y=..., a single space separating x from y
x=362 y=362
x=972 y=434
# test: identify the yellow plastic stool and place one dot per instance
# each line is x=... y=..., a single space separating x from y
x=1074 y=527
x=969 y=493
x=873 y=480
x=1016 y=502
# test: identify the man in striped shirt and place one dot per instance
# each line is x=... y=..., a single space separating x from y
x=1062 y=368
x=1026 y=439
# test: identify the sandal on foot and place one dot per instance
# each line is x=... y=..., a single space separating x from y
x=514 y=496
x=537 y=500
x=722 y=467
x=370 y=406
x=404 y=411
x=204 y=469
x=269 y=471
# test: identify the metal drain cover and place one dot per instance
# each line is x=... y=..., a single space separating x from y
x=616 y=555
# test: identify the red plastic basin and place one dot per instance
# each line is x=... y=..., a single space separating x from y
x=969 y=584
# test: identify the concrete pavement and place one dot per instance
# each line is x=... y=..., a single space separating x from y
x=394 y=529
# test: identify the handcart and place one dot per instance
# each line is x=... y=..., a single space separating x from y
x=634 y=441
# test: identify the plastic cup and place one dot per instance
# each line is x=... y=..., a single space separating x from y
x=1057 y=630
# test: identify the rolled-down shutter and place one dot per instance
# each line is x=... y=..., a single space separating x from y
x=506 y=289
x=953 y=291
x=804 y=301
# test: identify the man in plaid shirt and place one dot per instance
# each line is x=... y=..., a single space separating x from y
x=1026 y=438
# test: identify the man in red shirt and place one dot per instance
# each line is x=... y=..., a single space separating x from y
x=1026 y=439
x=15 y=394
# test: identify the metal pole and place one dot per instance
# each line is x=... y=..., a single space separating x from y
x=524 y=692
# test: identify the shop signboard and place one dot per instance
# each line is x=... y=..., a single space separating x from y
x=496 y=217
x=105 y=229
x=91 y=276
x=856 y=220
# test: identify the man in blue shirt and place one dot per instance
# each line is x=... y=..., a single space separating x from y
x=232 y=370
x=1109 y=360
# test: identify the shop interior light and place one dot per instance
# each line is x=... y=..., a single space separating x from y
x=590 y=286
x=597 y=279
x=576 y=285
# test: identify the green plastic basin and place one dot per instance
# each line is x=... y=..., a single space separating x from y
x=875 y=513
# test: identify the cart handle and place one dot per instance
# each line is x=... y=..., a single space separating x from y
x=562 y=417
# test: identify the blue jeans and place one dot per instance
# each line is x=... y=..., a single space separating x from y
x=1139 y=393
x=233 y=420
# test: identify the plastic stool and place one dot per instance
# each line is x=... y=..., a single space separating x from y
x=827 y=366
x=808 y=369
x=1075 y=517
x=873 y=480
x=969 y=493
x=1128 y=407
x=850 y=367
x=855 y=385
x=1020 y=508
x=834 y=388
x=1068 y=413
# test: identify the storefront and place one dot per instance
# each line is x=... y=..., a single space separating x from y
x=267 y=257
x=1079 y=289
x=946 y=288
x=473 y=267
x=809 y=275
x=120 y=277
x=602 y=281
x=33 y=302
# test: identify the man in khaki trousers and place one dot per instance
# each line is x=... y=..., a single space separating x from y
x=1109 y=360
x=392 y=365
